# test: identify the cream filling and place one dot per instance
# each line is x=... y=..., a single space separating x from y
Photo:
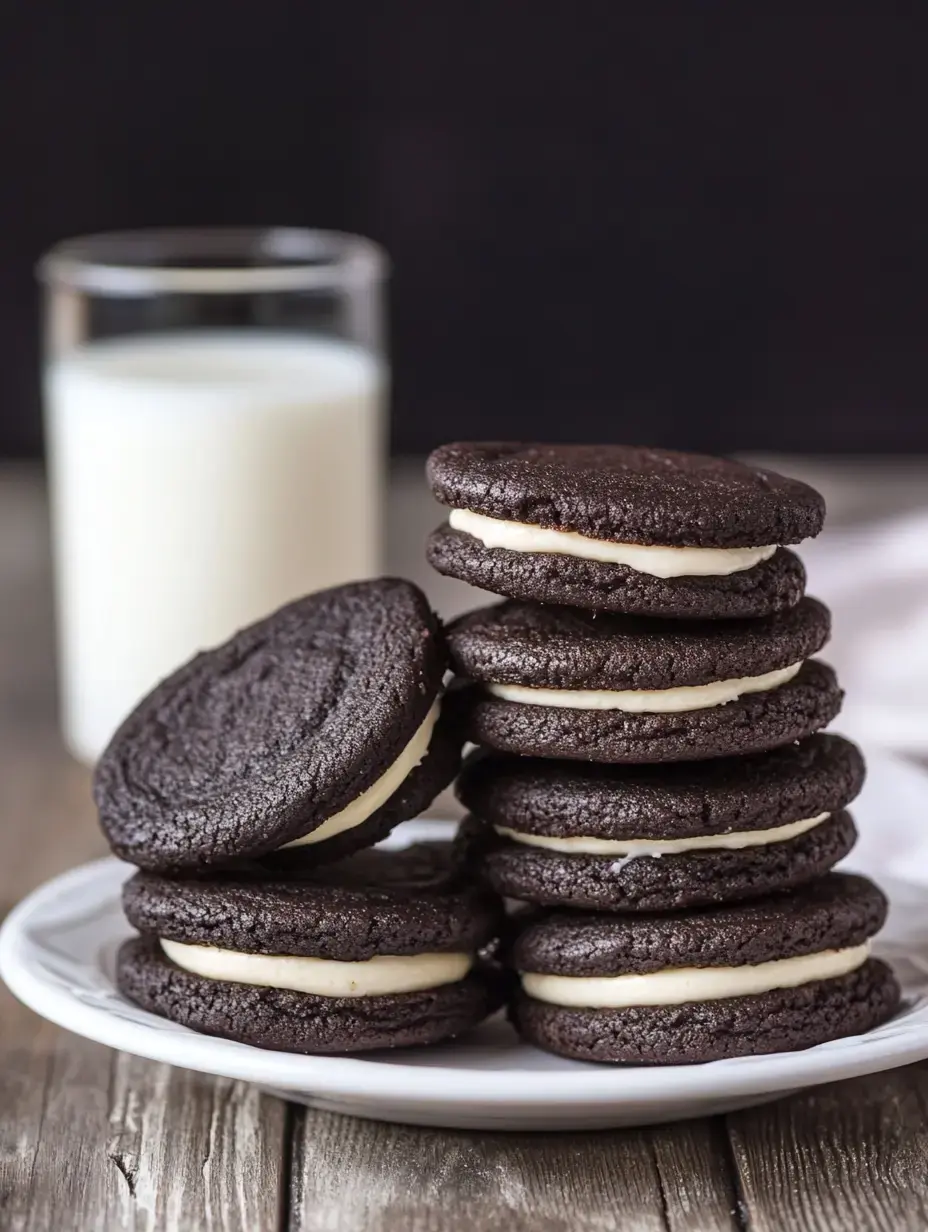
x=634 y=847
x=380 y=792
x=648 y=701
x=680 y=985
x=656 y=560
x=379 y=976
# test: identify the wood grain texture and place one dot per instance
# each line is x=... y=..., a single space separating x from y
x=194 y=1151
x=26 y=1048
x=695 y=1177
x=349 y=1174
x=851 y=1155
x=105 y=1141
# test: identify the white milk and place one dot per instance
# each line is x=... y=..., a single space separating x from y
x=198 y=482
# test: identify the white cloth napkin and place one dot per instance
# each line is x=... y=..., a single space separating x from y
x=875 y=579
x=890 y=814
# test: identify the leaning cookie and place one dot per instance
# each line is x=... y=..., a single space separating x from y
x=630 y=838
x=774 y=975
x=317 y=729
x=377 y=951
x=616 y=528
x=564 y=683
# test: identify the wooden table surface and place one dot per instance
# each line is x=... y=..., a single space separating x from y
x=96 y=1140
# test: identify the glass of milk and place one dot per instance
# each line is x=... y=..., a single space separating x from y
x=215 y=418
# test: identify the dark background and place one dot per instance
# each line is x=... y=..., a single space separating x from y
x=698 y=225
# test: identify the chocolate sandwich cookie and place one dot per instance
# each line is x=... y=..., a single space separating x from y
x=651 y=532
x=636 y=838
x=315 y=730
x=772 y=975
x=564 y=683
x=379 y=950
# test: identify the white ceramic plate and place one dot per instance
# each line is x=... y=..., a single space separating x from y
x=57 y=952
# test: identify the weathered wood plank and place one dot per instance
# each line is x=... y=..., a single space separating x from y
x=195 y=1152
x=96 y=1140
x=349 y=1174
x=26 y=1047
x=68 y=1181
x=848 y=1155
x=695 y=1177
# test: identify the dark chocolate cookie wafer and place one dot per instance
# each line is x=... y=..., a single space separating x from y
x=559 y=682
x=379 y=950
x=630 y=838
x=773 y=975
x=319 y=726
x=751 y=724
x=659 y=880
x=545 y=577
x=627 y=493
x=618 y=528
x=288 y=1021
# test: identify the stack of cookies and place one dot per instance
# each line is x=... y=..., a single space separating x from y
x=653 y=786
x=654 y=780
x=248 y=789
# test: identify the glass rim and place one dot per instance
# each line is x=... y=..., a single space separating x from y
x=135 y=262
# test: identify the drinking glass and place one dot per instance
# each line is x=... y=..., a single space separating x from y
x=215 y=417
